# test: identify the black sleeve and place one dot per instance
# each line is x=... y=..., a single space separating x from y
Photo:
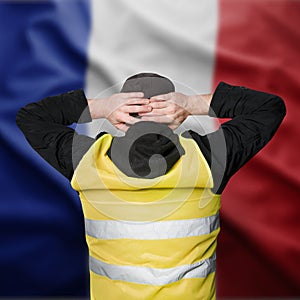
x=255 y=117
x=45 y=126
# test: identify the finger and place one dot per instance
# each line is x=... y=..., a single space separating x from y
x=159 y=104
x=123 y=117
x=140 y=101
x=133 y=95
x=170 y=110
x=137 y=108
x=155 y=112
x=131 y=120
x=161 y=97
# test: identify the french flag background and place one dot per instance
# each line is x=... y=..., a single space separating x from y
x=51 y=47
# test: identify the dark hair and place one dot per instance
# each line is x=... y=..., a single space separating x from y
x=151 y=84
x=141 y=75
x=145 y=139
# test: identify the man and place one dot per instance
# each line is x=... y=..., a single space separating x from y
x=151 y=198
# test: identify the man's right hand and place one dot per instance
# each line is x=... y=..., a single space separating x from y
x=117 y=108
x=174 y=108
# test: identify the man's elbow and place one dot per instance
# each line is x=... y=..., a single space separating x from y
x=27 y=113
x=21 y=117
x=279 y=107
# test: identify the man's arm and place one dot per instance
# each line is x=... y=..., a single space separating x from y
x=45 y=124
x=255 y=118
x=174 y=108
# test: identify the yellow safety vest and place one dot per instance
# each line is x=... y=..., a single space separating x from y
x=149 y=238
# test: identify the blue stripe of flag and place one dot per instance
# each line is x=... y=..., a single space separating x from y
x=43 y=52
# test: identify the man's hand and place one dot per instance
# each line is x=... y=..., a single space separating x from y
x=170 y=109
x=117 y=108
x=174 y=108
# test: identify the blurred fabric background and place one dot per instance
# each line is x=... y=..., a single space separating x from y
x=51 y=47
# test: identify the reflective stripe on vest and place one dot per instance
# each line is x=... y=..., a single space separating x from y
x=153 y=276
x=115 y=229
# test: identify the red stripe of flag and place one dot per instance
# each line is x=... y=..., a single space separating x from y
x=259 y=247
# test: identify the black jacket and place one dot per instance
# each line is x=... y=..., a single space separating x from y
x=255 y=117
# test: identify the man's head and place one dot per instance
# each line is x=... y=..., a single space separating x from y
x=148 y=149
x=150 y=84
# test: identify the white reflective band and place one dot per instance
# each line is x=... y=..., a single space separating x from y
x=115 y=229
x=153 y=276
